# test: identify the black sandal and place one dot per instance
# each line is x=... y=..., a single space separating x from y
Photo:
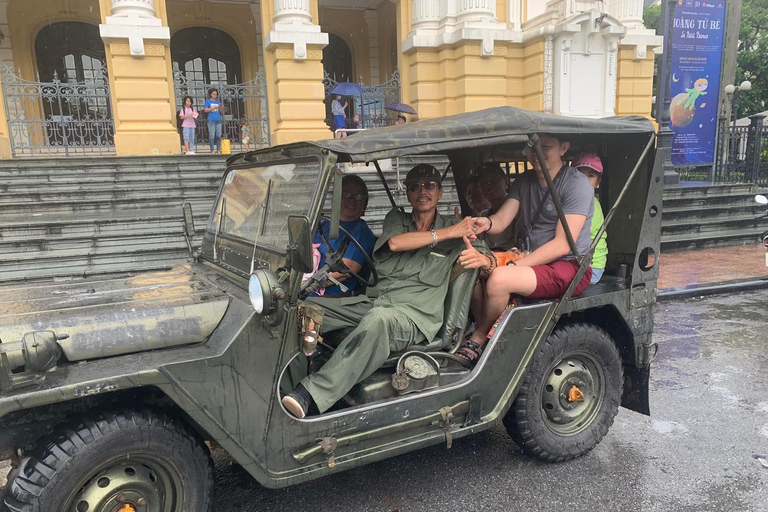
x=464 y=350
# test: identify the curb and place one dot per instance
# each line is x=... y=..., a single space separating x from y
x=735 y=286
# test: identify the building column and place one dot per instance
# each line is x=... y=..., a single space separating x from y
x=137 y=44
x=293 y=53
x=457 y=56
x=634 y=59
x=6 y=57
x=372 y=20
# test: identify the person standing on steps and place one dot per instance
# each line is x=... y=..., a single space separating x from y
x=188 y=115
x=214 y=109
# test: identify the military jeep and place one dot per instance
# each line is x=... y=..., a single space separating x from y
x=112 y=391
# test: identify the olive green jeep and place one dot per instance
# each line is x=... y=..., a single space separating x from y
x=112 y=391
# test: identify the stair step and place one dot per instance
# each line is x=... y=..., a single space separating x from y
x=58 y=197
x=700 y=226
x=679 y=214
x=102 y=248
x=75 y=228
x=708 y=240
x=711 y=190
x=83 y=266
x=711 y=200
x=108 y=205
x=86 y=183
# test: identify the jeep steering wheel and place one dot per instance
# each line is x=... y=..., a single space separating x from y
x=334 y=262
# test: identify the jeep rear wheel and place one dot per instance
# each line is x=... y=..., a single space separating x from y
x=570 y=394
x=133 y=461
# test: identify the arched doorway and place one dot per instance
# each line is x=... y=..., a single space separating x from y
x=337 y=65
x=205 y=58
x=72 y=50
x=337 y=59
x=71 y=110
x=206 y=55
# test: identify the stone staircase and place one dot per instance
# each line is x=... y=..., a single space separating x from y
x=74 y=218
x=79 y=217
x=701 y=217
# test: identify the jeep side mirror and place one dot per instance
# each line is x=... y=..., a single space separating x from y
x=188 y=219
x=300 y=244
x=760 y=199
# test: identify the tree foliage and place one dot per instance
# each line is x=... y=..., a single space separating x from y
x=652 y=17
x=753 y=56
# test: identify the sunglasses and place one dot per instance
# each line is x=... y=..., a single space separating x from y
x=416 y=187
x=350 y=195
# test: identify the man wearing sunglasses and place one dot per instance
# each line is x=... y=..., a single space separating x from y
x=414 y=257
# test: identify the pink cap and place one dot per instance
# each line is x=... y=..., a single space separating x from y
x=589 y=160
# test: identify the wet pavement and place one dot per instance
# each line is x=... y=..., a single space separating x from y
x=699 y=451
x=704 y=266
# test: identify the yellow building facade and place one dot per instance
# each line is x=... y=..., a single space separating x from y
x=109 y=76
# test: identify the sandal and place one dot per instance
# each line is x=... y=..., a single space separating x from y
x=470 y=350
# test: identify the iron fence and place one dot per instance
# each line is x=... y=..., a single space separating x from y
x=241 y=102
x=743 y=153
x=59 y=118
x=370 y=105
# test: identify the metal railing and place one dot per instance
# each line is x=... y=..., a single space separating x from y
x=58 y=117
x=246 y=101
x=743 y=153
x=370 y=105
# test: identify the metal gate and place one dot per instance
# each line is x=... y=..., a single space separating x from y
x=743 y=153
x=369 y=106
x=59 y=118
x=242 y=102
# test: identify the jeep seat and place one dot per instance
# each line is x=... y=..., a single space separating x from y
x=456 y=306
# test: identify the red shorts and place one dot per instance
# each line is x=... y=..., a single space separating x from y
x=553 y=279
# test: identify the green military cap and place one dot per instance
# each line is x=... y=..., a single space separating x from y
x=423 y=172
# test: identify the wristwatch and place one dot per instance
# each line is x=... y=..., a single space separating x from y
x=434 y=237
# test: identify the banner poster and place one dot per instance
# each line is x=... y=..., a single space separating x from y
x=697 y=47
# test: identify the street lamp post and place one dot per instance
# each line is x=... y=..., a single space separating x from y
x=666 y=135
x=734 y=92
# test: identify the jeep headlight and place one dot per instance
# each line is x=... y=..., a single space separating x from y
x=265 y=290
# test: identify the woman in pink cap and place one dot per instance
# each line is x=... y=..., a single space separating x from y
x=592 y=167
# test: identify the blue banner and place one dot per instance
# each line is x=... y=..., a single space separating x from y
x=697 y=47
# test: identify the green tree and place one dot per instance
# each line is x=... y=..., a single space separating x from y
x=652 y=17
x=752 y=60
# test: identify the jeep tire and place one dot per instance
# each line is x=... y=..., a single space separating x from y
x=146 y=459
x=570 y=394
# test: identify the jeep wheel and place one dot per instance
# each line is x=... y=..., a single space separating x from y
x=132 y=461
x=570 y=394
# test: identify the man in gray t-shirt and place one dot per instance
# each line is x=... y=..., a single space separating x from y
x=547 y=271
x=577 y=198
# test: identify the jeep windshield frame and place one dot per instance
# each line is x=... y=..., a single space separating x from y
x=259 y=197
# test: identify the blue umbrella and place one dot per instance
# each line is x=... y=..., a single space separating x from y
x=347 y=89
x=400 y=107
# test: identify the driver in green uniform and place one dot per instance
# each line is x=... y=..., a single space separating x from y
x=413 y=257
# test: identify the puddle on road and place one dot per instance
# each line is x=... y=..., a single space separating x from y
x=668 y=427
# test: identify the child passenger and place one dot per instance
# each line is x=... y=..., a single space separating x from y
x=592 y=167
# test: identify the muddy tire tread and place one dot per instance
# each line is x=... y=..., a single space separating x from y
x=53 y=452
x=529 y=432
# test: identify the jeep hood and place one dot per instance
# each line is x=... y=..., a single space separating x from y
x=106 y=318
